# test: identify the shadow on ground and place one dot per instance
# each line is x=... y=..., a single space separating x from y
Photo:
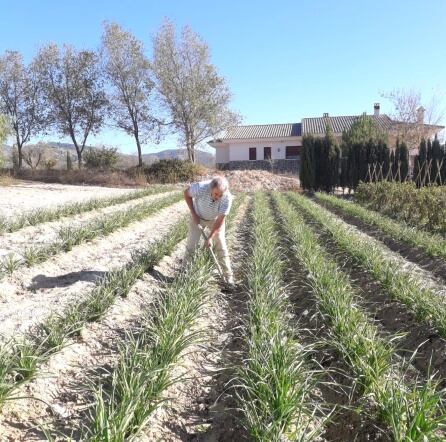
x=49 y=282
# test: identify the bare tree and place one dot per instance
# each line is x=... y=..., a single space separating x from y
x=413 y=120
x=72 y=83
x=34 y=155
x=129 y=73
x=20 y=99
x=194 y=95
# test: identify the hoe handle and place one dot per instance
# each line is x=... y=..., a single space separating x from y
x=203 y=234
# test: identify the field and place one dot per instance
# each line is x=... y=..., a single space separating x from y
x=335 y=330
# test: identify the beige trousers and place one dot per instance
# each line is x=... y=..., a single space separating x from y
x=219 y=241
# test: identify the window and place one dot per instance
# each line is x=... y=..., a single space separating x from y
x=253 y=153
x=292 y=152
x=267 y=153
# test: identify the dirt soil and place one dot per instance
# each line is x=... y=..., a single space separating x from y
x=60 y=397
x=29 y=195
x=253 y=180
x=45 y=233
x=29 y=295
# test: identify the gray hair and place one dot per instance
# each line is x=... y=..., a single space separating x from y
x=221 y=183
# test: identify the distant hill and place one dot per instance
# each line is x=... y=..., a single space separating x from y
x=59 y=152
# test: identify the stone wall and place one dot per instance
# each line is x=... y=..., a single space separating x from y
x=275 y=166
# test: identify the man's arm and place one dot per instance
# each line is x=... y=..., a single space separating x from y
x=190 y=203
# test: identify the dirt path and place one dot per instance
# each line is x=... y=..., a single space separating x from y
x=64 y=382
x=194 y=408
x=28 y=195
x=46 y=233
x=29 y=295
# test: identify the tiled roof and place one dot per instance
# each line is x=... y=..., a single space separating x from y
x=263 y=131
x=339 y=124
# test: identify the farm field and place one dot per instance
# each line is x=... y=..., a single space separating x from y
x=335 y=330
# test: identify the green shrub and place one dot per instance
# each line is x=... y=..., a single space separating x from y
x=424 y=207
x=173 y=171
x=101 y=158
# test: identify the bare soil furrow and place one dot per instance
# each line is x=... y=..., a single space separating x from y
x=348 y=422
x=29 y=296
x=59 y=398
x=29 y=195
x=415 y=255
x=393 y=317
x=198 y=409
x=15 y=243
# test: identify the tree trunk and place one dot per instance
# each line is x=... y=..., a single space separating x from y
x=138 y=145
x=78 y=150
x=19 y=152
x=191 y=152
x=79 y=159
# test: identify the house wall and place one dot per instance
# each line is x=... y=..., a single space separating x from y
x=222 y=154
x=239 y=151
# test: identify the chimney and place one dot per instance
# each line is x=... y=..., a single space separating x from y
x=325 y=114
x=420 y=115
x=376 y=109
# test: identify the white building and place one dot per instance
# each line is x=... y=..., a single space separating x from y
x=259 y=147
x=276 y=147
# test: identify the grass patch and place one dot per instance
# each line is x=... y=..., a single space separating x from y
x=357 y=340
x=275 y=384
x=433 y=245
x=399 y=283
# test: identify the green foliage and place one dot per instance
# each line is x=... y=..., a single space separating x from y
x=363 y=146
x=433 y=245
x=363 y=130
x=400 y=165
x=320 y=163
x=103 y=158
x=424 y=208
x=275 y=383
x=413 y=412
x=173 y=171
x=4 y=131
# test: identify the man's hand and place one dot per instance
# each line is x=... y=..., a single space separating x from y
x=196 y=218
x=208 y=243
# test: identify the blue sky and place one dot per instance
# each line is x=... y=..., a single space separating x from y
x=283 y=59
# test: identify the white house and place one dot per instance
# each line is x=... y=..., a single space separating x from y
x=276 y=147
x=259 y=147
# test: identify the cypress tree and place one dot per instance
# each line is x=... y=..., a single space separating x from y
x=392 y=165
x=404 y=161
x=307 y=167
x=429 y=158
x=437 y=155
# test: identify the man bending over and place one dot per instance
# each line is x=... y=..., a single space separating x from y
x=209 y=202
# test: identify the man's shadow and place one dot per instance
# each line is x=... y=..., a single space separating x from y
x=49 y=282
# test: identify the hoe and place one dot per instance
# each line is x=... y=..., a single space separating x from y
x=203 y=234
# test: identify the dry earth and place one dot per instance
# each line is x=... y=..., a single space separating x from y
x=29 y=295
x=27 y=195
x=46 y=233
